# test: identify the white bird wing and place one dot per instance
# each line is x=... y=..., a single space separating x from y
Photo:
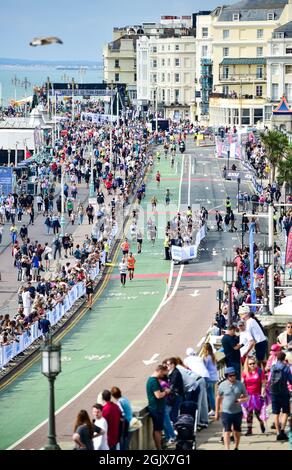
x=45 y=41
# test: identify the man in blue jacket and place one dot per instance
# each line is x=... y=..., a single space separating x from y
x=280 y=376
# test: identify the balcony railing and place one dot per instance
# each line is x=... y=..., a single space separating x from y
x=235 y=96
x=233 y=78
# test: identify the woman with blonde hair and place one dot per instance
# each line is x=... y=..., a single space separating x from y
x=211 y=365
x=84 y=431
x=254 y=380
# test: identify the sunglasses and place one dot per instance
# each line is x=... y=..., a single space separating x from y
x=290 y=326
x=231 y=375
x=251 y=364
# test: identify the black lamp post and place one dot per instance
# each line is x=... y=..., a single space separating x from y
x=229 y=277
x=238 y=188
x=51 y=367
x=265 y=260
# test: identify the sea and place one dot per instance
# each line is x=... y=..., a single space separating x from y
x=18 y=81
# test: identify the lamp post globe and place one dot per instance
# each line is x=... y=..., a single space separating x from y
x=229 y=277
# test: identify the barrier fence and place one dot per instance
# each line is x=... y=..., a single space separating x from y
x=188 y=252
x=24 y=341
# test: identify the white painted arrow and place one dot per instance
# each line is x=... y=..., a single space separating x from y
x=214 y=252
x=195 y=294
x=152 y=360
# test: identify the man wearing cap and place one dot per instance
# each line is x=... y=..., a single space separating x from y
x=231 y=347
x=259 y=340
x=231 y=394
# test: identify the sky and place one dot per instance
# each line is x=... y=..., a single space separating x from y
x=83 y=25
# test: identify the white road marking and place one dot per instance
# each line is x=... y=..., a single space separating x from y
x=196 y=293
x=175 y=286
x=97 y=357
x=152 y=360
x=65 y=359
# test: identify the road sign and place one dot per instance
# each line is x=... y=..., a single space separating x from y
x=6 y=180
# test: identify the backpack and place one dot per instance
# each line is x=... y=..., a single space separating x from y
x=278 y=383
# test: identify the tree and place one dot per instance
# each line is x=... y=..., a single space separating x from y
x=285 y=170
x=276 y=144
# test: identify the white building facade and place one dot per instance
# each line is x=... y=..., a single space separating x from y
x=166 y=73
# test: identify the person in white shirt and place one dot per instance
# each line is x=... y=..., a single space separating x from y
x=245 y=338
x=259 y=340
x=196 y=363
x=100 y=442
x=26 y=300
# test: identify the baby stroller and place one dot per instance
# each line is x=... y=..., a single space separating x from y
x=186 y=426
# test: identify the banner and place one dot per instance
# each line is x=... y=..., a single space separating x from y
x=97 y=118
x=6 y=180
x=289 y=248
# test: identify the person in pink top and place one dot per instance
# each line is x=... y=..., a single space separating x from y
x=254 y=380
x=275 y=348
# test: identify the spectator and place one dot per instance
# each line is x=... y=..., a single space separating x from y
x=156 y=402
x=280 y=376
x=259 y=340
x=84 y=432
x=127 y=414
x=100 y=442
x=231 y=394
x=211 y=366
x=285 y=337
x=231 y=347
x=112 y=413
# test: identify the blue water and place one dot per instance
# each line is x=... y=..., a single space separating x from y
x=36 y=76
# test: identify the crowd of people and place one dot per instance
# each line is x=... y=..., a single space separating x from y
x=111 y=424
x=253 y=381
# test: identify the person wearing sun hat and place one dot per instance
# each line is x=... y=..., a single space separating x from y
x=259 y=340
x=231 y=394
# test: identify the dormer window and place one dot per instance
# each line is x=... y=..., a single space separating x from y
x=270 y=16
x=235 y=16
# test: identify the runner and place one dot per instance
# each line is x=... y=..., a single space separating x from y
x=154 y=203
x=123 y=271
x=89 y=292
x=167 y=197
x=139 y=241
x=158 y=178
x=131 y=266
x=125 y=247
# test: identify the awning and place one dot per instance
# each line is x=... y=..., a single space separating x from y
x=243 y=61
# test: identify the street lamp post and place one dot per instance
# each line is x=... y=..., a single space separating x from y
x=74 y=87
x=238 y=188
x=51 y=367
x=9 y=156
x=265 y=260
x=16 y=154
x=62 y=202
x=91 y=186
x=156 y=111
x=229 y=277
x=48 y=94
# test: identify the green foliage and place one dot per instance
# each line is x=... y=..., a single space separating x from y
x=285 y=169
x=276 y=144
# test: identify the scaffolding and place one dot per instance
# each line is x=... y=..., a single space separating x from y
x=206 y=84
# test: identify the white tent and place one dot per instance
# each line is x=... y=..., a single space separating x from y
x=285 y=308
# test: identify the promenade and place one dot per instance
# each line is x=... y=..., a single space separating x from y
x=209 y=439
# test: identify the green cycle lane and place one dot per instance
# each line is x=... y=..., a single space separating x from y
x=101 y=335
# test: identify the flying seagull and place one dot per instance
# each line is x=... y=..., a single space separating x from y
x=45 y=41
